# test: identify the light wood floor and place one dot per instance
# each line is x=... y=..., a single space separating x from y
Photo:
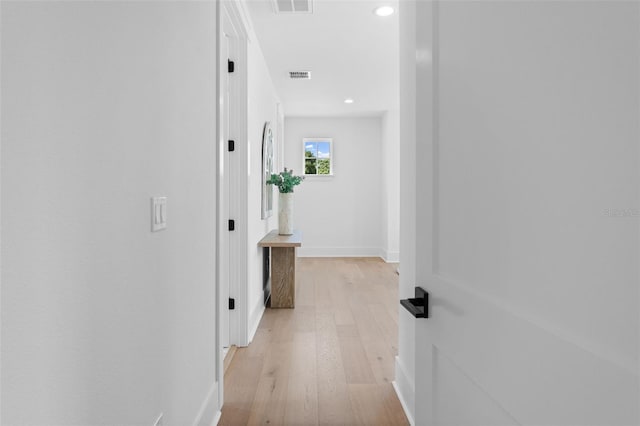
x=330 y=360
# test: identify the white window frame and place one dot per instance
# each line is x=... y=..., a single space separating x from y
x=331 y=160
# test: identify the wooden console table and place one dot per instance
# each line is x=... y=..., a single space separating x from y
x=283 y=267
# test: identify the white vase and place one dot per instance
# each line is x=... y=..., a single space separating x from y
x=285 y=214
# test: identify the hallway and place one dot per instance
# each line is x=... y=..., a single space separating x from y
x=328 y=361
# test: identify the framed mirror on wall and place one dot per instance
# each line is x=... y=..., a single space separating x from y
x=267 y=170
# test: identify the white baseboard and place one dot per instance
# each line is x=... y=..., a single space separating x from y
x=216 y=419
x=405 y=389
x=390 y=256
x=208 y=413
x=254 y=321
x=338 y=252
x=387 y=256
x=403 y=403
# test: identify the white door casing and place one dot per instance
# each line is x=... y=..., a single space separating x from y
x=231 y=100
x=222 y=253
x=224 y=177
x=527 y=223
x=235 y=170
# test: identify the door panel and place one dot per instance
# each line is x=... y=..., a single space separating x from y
x=527 y=222
x=455 y=389
x=546 y=147
x=536 y=376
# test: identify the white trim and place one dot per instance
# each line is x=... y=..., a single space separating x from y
x=1 y=230
x=338 y=252
x=402 y=403
x=220 y=209
x=387 y=256
x=405 y=389
x=210 y=404
x=638 y=301
x=239 y=186
x=304 y=158
x=237 y=11
x=424 y=146
x=390 y=256
x=235 y=254
x=361 y=114
x=217 y=417
x=256 y=316
x=238 y=174
x=311 y=178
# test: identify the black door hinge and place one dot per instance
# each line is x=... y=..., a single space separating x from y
x=230 y=65
x=232 y=145
x=232 y=225
x=232 y=303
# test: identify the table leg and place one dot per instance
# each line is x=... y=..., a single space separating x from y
x=283 y=277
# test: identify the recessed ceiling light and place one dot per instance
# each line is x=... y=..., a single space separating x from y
x=384 y=11
x=348 y=101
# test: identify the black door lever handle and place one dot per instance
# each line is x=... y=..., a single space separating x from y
x=419 y=305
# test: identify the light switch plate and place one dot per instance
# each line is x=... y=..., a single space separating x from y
x=158 y=213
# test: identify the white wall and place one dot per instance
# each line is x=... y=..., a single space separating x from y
x=263 y=106
x=391 y=184
x=339 y=215
x=105 y=104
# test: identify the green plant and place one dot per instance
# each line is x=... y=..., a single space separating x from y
x=324 y=166
x=285 y=181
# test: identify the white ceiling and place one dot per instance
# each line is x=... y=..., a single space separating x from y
x=351 y=52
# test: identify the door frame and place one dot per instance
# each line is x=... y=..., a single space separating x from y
x=426 y=196
x=234 y=174
x=224 y=51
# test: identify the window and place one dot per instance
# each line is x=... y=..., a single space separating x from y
x=318 y=156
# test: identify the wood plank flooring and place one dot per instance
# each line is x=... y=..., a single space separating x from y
x=329 y=361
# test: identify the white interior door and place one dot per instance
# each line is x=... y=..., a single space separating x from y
x=527 y=212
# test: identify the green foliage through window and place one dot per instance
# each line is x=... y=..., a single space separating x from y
x=310 y=167
x=324 y=167
x=317 y=157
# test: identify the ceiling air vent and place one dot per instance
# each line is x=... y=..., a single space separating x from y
x=293 y=6
x=300 y=75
